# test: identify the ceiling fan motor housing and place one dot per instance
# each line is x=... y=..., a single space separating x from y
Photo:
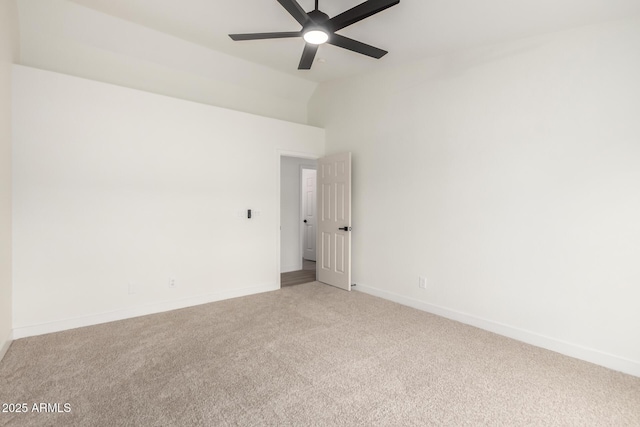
x=318 y=17
x=317 y=24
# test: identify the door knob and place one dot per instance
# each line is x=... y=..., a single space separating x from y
x=345 y=228
x=305 y=221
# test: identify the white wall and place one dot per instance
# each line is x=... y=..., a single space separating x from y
x=290 y=195
x=62 y=36
x=8 y=55
x=113 y=185
x=509 y=176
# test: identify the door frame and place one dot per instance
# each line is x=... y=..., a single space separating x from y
x=279 y=154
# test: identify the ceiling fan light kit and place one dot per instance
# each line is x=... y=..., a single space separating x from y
x=315 y=36
x=318 y=28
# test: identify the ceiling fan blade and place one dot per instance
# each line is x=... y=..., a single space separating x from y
x=308 y=54
x=356 y=46
x=261 y=36
x=295 y=10
x=360 y=12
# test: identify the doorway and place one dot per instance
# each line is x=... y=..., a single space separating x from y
x=297 y=220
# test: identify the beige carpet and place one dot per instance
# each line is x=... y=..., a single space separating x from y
x=306 y=355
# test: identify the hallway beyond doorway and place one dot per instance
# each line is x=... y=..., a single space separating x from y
x=306 y=275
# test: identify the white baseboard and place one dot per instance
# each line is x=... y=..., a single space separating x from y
x=597 y=357
x=5 y=346
x=143 y=310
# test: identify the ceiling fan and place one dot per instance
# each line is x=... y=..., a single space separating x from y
x=318 y=28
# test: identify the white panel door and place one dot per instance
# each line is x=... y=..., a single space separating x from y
x=334 y=220
x=309 y=214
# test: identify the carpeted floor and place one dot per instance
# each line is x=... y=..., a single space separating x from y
x=305 y=355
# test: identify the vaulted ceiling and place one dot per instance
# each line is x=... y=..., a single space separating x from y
x=411 y=30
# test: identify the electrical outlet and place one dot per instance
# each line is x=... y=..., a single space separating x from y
x=422 y=282
x=132 y=288
x=172 y=282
